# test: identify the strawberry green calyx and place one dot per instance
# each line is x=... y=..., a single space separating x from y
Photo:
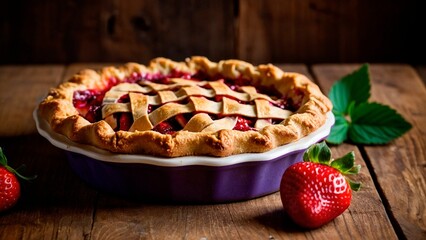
x=3 y=163
x=321 y=153
x=318 y=153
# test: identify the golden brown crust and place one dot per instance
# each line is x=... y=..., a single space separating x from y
x=58 y=110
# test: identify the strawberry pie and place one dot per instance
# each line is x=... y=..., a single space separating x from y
x=195 y=107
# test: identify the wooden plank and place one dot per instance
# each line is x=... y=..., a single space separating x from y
x=399 y=165
x=110 y=30
x=259 y=31
x=260 y=218
x=57 y=204
x=23 y=87
x=328 y=31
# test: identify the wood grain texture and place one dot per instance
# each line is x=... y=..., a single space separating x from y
x=308 y=31
x=58 y=205
x=329 y=31
x=23 y=87
x=109 y=30
x=400 y=165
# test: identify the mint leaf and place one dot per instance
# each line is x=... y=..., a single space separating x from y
x=374 y=123
x=356 y=119
x=352 y=87
x=339 y=132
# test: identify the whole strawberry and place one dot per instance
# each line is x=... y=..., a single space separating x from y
x=10 y=189
x=316 y=191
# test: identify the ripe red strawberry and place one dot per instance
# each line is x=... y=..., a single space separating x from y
x=315 y=191
x=10 y=189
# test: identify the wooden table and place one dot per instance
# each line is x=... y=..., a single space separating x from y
x=58 y=205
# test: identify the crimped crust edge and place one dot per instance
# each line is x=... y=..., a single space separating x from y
x=58 y=110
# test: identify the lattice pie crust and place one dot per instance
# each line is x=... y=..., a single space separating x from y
x=214 y=107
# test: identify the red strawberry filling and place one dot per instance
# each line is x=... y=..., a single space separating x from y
x=89 y=102
x=164 y=128
x=244 y=124
x=125 y=121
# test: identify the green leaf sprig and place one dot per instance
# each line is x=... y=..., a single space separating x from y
x=3 y=163
x=356 y=119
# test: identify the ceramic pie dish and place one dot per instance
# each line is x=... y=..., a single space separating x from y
x=189 y=179
x=186 y=131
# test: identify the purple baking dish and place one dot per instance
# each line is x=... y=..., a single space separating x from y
x=192 y=179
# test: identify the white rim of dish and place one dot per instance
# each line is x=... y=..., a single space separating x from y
x=64 y=143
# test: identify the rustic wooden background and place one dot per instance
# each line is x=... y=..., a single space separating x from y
x=302 y=31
